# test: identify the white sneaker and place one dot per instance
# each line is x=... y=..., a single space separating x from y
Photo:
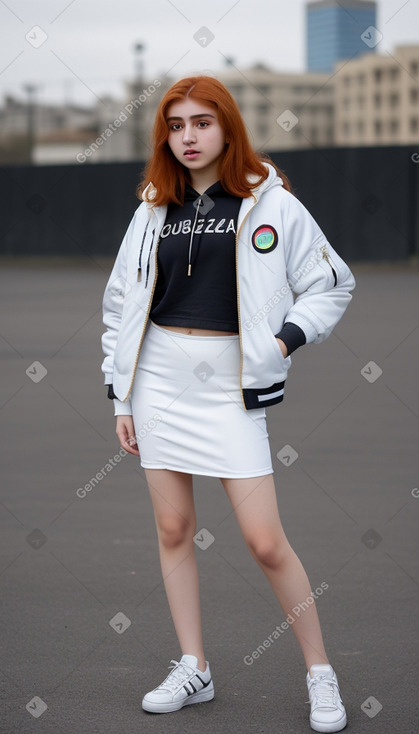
x=185 y=684
x=327 y=710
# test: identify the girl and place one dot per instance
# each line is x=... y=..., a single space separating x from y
x=222 y=273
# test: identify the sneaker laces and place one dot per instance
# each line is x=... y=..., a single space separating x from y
x=324 y=690
x=176 y=677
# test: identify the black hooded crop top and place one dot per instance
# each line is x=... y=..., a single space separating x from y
x=196 y=280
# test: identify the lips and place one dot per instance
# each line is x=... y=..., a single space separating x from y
x=191 y=153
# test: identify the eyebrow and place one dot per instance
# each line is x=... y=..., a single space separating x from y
x=192 y=117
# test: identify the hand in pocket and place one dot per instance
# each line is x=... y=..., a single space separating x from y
x=282 y=346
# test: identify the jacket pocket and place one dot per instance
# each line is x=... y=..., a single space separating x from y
x=283 y=362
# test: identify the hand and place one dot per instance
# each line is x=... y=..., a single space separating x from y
x=283 y=347
x=126 y=434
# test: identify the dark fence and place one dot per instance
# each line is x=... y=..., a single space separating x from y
x=364 y=199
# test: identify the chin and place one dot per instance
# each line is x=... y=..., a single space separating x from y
x=194 y=164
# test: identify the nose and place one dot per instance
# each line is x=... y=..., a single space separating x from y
x=189 y=135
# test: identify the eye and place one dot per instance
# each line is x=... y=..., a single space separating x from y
x=175 y=126
x=203 y=123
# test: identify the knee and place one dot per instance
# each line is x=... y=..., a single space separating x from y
x=268 y=550
x=175 y=531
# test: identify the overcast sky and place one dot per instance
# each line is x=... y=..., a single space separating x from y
x=86 y=47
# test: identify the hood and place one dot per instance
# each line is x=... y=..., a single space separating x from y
x=214 y=191
x=269 y=183
x=272 y=180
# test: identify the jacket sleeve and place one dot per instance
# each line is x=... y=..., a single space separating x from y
x=112 y=306
x=320 y=280
x=120 y=408
x=292 y=336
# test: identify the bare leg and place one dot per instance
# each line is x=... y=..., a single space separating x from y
x=255 y=505
x=174 y=511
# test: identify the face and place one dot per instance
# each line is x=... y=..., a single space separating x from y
x=196 y=138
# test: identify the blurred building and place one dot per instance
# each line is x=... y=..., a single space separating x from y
x=58 y=131
x=50 y=118
x=370 y=100
x=377 y=99
x=110 y=130
x=66 y=133
x=283 y=111
x=339 y=30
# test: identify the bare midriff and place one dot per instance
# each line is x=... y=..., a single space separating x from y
x=198 y=332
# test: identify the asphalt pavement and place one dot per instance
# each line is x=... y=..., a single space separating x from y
x=85 y=624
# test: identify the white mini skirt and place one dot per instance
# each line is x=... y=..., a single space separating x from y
x=187 y=407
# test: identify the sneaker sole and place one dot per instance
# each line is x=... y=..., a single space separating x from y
x=166 y=708
x=329 y=728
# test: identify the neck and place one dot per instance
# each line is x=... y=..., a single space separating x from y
x=202 y=180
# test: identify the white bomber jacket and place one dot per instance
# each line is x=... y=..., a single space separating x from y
x=286 y=270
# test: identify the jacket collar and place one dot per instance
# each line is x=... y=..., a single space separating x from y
x=272 y=180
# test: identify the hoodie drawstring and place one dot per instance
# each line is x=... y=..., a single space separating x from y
x=141 y=251
x=192 y=234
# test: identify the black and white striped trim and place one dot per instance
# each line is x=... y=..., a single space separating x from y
x=261 y=397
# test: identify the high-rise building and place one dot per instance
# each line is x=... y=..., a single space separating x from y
x=339 y=30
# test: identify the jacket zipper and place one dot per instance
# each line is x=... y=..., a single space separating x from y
x=329 y=262
x=145 y=322
x=148 y=259
x=238 y=305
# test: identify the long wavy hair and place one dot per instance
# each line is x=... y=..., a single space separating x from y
x=239 y=159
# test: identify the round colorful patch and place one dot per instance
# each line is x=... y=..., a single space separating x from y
x=265 y=238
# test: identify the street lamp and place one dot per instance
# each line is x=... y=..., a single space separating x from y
x=137 y=121
x=139 y=48
x=30 y=116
